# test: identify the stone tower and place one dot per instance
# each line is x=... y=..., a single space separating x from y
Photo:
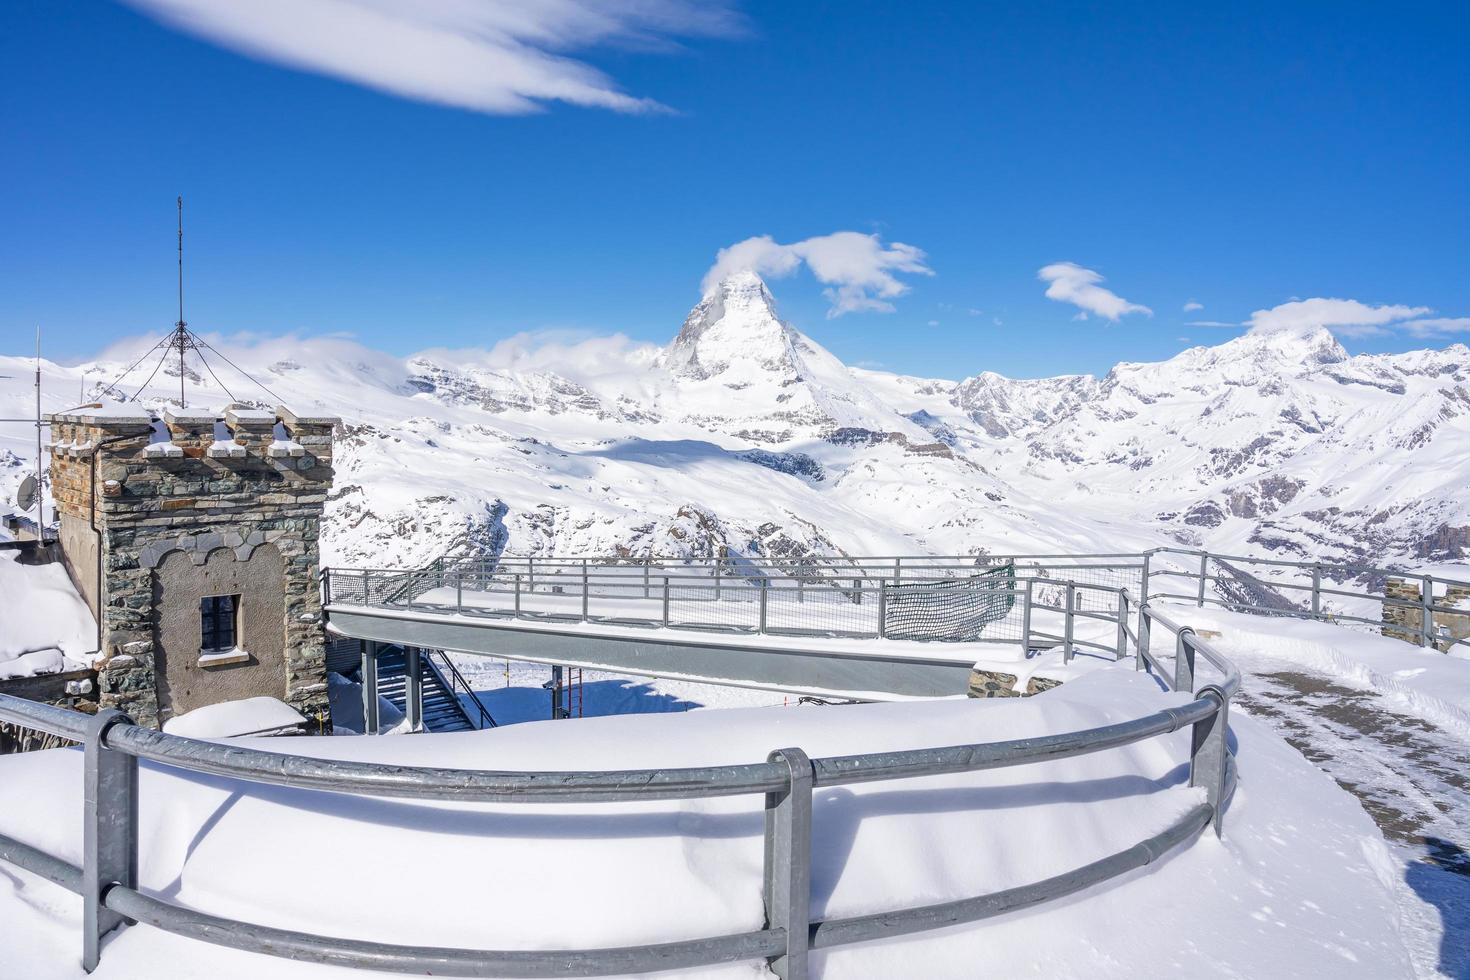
x=193 y=537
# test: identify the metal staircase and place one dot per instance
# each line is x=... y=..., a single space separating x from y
x=444 y=709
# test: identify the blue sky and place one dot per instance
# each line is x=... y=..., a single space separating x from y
x=1237 y=157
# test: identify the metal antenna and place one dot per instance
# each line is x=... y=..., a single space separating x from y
x=40 y=496
x=181 y=329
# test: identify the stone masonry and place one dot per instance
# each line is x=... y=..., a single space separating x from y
x=1400 y=620
x=156 y=513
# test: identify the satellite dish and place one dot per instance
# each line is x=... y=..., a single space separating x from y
x=25 y=497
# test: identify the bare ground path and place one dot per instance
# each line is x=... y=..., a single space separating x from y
x=1412 y=778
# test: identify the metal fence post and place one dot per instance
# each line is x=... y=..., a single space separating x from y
x=1426 y=605
x=882 y=609
x=765 y=583
x=788 y=863
x=1121 y=648
x=1145 y=626
x=1209 y=752
x=897 y=570
x=110 y=831
x=718 y=571
x=367 y=589
x=584 y=590
x=1026 y=617
x=413 y=688
x=369 y=687
x=1143 y=596
x=518 y=594
x=1316 y=591
x=459 y=590
x=1069 y=621
x=666 y=600
x=1204 y=572
x=647 y=592
x=530 y=574
x=1184 y=661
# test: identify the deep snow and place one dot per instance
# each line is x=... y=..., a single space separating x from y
x=1301 y=885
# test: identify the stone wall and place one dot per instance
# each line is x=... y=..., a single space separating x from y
x=204 y=485
x=999 y=684
x=1400 y=621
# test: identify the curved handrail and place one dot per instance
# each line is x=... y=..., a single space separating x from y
x=786 y=779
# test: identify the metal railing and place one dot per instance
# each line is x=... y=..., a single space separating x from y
x=107 y=880
x=787 y=596
x=1307 y=590
x=957 y=598
x=454 y=682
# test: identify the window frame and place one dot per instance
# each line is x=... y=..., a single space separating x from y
x=215 y=625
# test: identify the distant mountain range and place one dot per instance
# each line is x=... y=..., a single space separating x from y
x=743 y=432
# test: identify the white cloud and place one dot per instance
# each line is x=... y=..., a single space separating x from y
x=492 y=56
x=1344 y=316
x=1438 y=327
x=1192 y=305
x=858 y=270
x=1071 y=283
x=1212 y=323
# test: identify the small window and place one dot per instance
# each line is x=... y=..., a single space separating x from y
x=217 y=621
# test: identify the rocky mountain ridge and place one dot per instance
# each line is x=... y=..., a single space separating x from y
x=747 y=434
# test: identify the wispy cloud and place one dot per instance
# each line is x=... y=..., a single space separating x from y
x=858 y=270
x=1348 y=317
x=1193 y=305
x=1437 y=327
x=503 y=57
x=1212 y=323
x=1071 y=283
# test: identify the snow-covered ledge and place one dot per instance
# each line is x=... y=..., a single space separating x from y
x=220 y=658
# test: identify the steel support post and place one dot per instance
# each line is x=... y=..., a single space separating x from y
x=518 y=594
x=1069 y=623
x=1208 y=754
x=1184 y=660
x=369 y=687
x=367 y=589
x=765 y=583
x=110 y=831
x=666 y=600
x=718 y=573
x=1316 y=591
x=585 y=592
x=459 y=590
x=1426 y=606
x=788 y=863
x=413 y=687
x=647 y=592
x=530 y=574
x=1204 y=574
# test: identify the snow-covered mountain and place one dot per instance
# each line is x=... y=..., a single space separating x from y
x=745 y=433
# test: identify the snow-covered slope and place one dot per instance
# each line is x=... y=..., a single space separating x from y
x=745 y=433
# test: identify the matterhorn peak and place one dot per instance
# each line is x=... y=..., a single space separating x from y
x=734 y=324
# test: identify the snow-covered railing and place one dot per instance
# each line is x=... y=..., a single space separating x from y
x=108 y=883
